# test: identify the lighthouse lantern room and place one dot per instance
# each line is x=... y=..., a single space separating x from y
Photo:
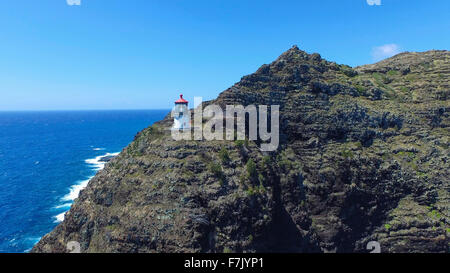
x=182 y=119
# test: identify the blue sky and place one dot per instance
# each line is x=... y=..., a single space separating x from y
x=140 y=54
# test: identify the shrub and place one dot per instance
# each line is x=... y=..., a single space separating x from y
x=261 y=179
x=216 y=169
x=242 y=179
x=404 y=89
x=361 y=90
x=347 y=154
x=392 y=73
x=251 y=168
x=239 y=143
x=261 y=188
x=251 y=191
x=266 y=161
x=224 y=156
x=285 y=164
x=434 y=214
x=348 y=71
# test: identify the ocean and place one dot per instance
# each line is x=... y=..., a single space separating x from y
x=47 y=157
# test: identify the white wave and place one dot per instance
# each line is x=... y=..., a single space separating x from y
x=98 y=149
x=75 y=190
x=60 y=217
x=97 y=163
x=65 y=205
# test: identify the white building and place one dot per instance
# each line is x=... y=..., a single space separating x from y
x=182 y=121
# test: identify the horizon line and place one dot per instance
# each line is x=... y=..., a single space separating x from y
x=79 y=110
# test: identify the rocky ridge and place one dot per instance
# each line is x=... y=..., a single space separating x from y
x=363 y=156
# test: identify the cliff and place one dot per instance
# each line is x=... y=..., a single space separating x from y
x=363 y=156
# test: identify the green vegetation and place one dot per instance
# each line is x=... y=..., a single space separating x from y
x=348 y=71
x=361 y=90
x=380 y=79
x=392 y=73
x=239 y=143
x=216 y=169
x=411 y=77
x=386 y=156
x=266 y=161
x=404 y=89
x=224 y=156
x=111 y=227
x=443 y=145
x=284 y=163
x=261 y=178
x=251 y=169
x=251 y=191
x=421 y=174
x=242 y=179
x=434 y=214
x=387 y=226
x=410 y=155
x=153 y=132
x=115 y=165
x=261 y=188
x=135 y=148
x=187 y=174
x=347 y=154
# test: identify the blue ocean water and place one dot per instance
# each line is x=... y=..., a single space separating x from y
x=45 y=155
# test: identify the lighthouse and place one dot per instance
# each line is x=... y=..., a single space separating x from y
x=182 y=119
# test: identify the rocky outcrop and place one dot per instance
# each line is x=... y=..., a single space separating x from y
x=364 y=156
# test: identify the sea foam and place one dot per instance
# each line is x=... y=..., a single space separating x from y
x=75 y=190
x=97 y=164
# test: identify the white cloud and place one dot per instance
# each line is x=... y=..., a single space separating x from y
x=73 y=2
x=374 y=2
x=385 y=51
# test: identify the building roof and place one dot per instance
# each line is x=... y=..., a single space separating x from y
x=181 y=100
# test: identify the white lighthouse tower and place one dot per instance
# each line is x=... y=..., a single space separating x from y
x=182 y=121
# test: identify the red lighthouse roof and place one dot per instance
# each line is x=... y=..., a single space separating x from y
x=181 y=100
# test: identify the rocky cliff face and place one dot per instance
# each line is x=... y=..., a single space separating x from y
x=364 y=156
